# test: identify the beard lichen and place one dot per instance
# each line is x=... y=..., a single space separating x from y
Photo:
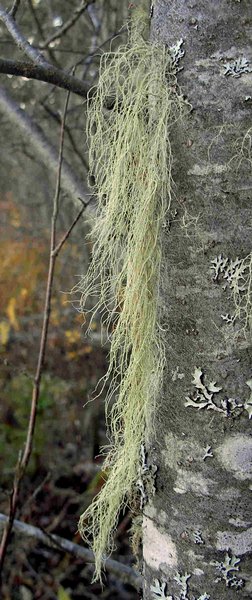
x=130 y=116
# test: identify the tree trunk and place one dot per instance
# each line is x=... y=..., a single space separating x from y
x=197 y=528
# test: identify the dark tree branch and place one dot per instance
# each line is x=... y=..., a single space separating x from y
x=47 y=73
x=14 y=8
x=123 y=572
x=71 y=183
x=20 y=40
x=68 y=24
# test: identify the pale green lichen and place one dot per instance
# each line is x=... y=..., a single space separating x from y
x=130 y=116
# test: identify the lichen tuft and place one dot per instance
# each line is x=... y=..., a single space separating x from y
x=130 y=116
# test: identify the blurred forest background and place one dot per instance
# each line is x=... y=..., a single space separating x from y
x=65 y=468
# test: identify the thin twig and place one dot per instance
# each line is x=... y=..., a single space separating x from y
x=40 y=144
x=24 y=457
x=56 y=116
x=94 y=53
x=19 y=38
x=13 y=369
x=44 y=72
x=36 y=491
x=94 y=20
x=124 y=572
x=71 y=50
x=68 y=24
x=96 y=23
x=57 y=249
x=40 y=31
x=37 y=21
x=14 y=8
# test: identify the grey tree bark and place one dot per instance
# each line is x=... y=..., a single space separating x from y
x=197 y=528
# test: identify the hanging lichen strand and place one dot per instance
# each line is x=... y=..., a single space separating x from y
x=129 y=120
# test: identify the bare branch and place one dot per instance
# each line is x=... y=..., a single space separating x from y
x=47 y=73
x=14 y=8
x=77 y=151
x=37 y=21
x=96 y=23
x=68 y=24
x=71 y=183
x=68 y=232
x=40 y=30
x=123 y=572
x=24 y=456
x=94 y=52
x=19 y=38
x=58 y=182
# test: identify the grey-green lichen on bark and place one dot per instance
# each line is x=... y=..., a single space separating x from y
x=159 y=589
x=227 y=570
x=236 y=275
x=205 y=397
x=237 y=67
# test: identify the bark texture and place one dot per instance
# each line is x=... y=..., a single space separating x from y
x=197 y=530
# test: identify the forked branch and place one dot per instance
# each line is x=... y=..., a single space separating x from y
x=68 y=24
